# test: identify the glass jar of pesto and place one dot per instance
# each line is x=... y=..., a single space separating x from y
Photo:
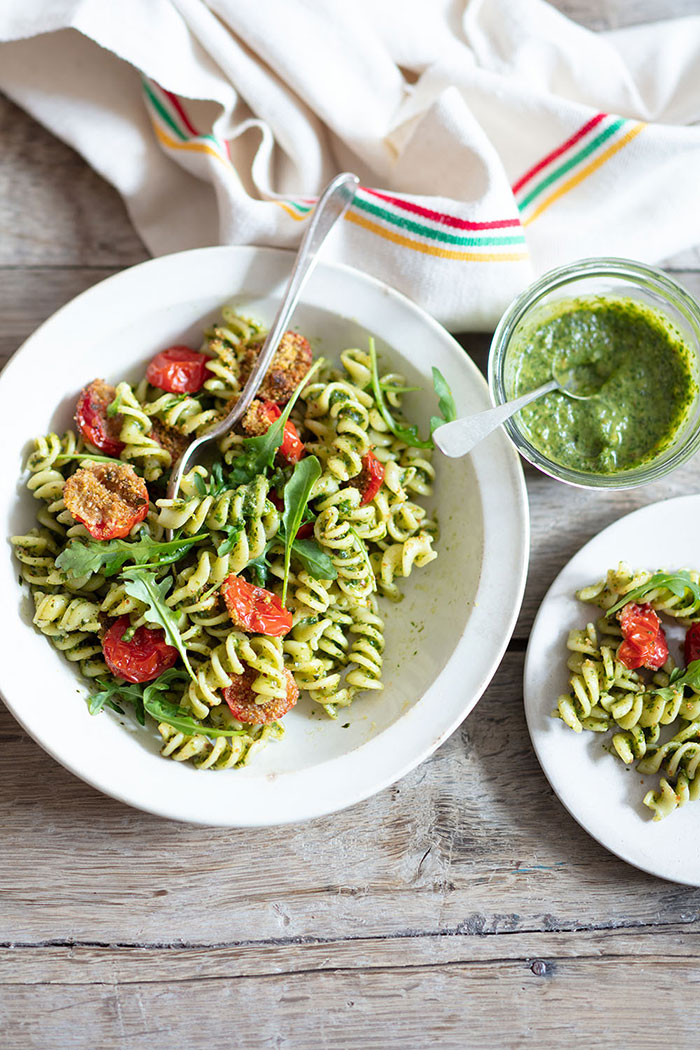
x=638 y=331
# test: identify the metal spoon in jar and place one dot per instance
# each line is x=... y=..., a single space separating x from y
x=331 y=206
x=462 y=435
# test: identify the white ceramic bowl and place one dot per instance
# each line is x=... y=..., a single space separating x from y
x=444 y=641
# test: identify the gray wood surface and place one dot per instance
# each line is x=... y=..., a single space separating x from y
x=462 y=907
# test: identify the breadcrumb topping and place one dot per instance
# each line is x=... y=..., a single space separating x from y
x=106 y=493
x=290 y=364
x=171 y=439
x=257 y=419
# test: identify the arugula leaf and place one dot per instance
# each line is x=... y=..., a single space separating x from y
x=217 y=482
x=145 y=587
x=259 y=452
x=175 y=400
x=446 y=402
x=408 y=434
x=314 y=559
x=260 y=567
x=311 y=555
x=174 y=716
x=677 y=583
x=679 y=679
x=296 y=496
x=227 y=545
x=107 y=556
x=173 y=676
x=137 y=694
x=107 y=692
x=86 y=455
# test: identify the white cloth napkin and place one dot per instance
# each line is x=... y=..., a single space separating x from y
x=493 y=139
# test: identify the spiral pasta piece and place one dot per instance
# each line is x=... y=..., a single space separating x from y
x=36 y=552
x=245 y=508
x=229 y=658
x=367 y=649
x=226 y=343
x=61 y=613
x=347 y=552
x=399 y=560
x=140 y=448
x=419 y=472
x=218 y=752
x=70 y=624
x=368 y=521
x=183 y=413
x=342 y=458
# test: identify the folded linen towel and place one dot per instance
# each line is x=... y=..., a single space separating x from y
x=493 y=139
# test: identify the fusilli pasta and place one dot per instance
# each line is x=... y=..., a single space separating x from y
x=105 y=602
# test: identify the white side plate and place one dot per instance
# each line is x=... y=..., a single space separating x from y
x=597 y=789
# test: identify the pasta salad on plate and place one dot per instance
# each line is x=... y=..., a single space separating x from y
x=625 y=680
x=282 y=541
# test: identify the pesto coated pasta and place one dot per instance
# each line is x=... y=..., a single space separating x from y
x=284 y=542
x=623 y=679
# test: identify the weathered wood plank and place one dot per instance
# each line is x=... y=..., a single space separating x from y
x=471 y=841
x=54 y=209
x=505 y=1001
x=415 y=991
x=78 y=965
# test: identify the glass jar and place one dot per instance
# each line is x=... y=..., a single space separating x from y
x=618 y=278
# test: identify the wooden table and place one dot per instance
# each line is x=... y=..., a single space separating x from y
x=461 y=907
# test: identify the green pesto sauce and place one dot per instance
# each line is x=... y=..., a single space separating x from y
x=647 y=374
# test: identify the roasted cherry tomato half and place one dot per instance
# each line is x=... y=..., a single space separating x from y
x=95 y=425
x=258 y=419
x=179 y=370
x=292 y=447
x=145 y=656
x=107 y=498
x=691 y=646
x=644 y=642
x=255 y=609
x=369 y=480
x=241 y=700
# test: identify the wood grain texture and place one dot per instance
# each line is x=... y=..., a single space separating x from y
x=451 y=993
x=54 y=210
x=463 y=907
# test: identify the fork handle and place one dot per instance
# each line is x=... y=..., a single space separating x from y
x=332 y=204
